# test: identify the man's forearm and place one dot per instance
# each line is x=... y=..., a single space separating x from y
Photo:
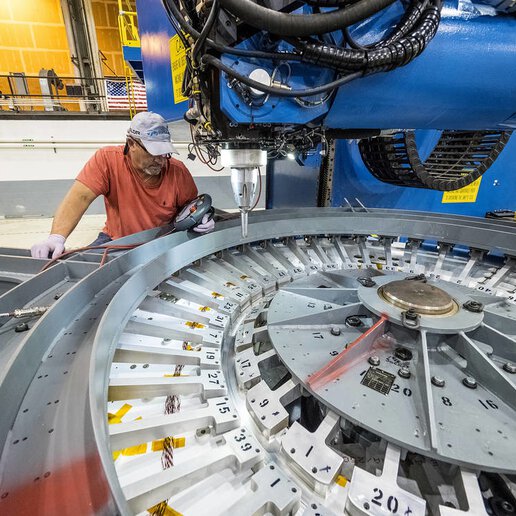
x=71 y=209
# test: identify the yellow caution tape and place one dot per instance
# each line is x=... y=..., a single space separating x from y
x=216 y=295
x=155 y=446
x=204 y=309
x=119 y=414
x=135 y=450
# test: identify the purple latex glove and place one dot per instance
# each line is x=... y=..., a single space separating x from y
x=206 y=225
x=53 y=244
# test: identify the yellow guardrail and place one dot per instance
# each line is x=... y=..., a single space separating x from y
x=128 y=25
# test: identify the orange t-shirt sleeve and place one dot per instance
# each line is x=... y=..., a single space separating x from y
x=95 y=174
x=187 y=189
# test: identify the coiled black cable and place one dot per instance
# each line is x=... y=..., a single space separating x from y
x=458 y=159
x=396 y=53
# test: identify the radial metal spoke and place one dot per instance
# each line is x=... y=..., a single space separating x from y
x=483 y=370
x=161 y=486
x=424 y=377
x=209 y=383
x=503 y=345
x=336 y=296
x=218 y=413
x=306 y=311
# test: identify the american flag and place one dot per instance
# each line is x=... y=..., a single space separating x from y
x=116 y=92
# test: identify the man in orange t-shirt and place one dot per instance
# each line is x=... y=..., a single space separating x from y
x=143 y=187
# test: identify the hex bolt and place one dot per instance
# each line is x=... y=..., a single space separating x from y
x=411 y=315
x=354 y=321
x=509 y=367
x=21 y=327
x=403 y=354
x=419 y=277
x=374 y=360
x=335 y=330
x=438 y=381
x=366 y=281
x=404 y=372
x=410 y=319
x=470 y=382
x=473 y=306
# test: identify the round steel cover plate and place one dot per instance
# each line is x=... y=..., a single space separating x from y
x=419 y=296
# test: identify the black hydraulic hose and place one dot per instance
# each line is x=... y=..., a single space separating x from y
x=351 y=42
x=329 y=3
x=286 y=24
x=279 y=92
x=175 y=16
x=212 y=18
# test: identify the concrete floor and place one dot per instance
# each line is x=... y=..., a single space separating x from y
x=23 y=232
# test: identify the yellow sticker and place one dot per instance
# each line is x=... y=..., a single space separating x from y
x=178 y=66
x=204 y=308
x=117 y=417
x=193 y=324
x=163 y=509
x=178 y=442
x=467 y=194
x=341 y=481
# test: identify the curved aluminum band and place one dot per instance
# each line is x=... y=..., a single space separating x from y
x=137 y=272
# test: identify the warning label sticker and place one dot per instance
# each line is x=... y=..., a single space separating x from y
x=467 y=194
x=178 y=66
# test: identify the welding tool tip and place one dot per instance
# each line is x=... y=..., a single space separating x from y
x=243 y=217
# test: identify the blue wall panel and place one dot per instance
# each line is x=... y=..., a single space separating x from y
x=352 y=179
x=155 y=33
x=464 y=79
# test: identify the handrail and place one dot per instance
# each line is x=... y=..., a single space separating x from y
x=63 y=93
x=128 y=26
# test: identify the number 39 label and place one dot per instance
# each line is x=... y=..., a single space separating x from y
x=376 y=495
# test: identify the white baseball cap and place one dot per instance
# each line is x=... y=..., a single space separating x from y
x=152 y=131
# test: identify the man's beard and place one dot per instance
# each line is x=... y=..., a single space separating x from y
x=154 y=170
